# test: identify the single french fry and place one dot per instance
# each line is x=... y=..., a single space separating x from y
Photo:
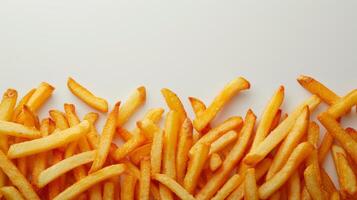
x=291 y=141
x=223 y=141
x=325 y=147
x=108 y=191
x=135 y=100
x=250 y=185
x=312 y=183
x=56 y=186
x=90 y=180
x=195 y=167
x=156 y=152
x=317 y=88
x=294 y=186
x=295 y=159
x=21 y=103
x=144 y=185
x=198 y=108
x=174 y=103
x=231 y=160
x=40 y=96
x=279 y=133
x=154 y=114
x=343 y=105
x=276 y=120
x=106 y=139
x=327 y=183
x=232 y=123
x=11 y=193
x=154 y=191
x=50 y=142
x=148 y=128
x=228 y=187
x=173 y=186
x=60 y=119
x=7 y=106
x=183 y=146
x=268 y=116
x=16 y=178
x=215 y=162
x=30 y=118
x=231 y=89
x=128 y=147
x=64 y=166
x=127 y=187
x=95 y=192
x=124 y=134
x=86 y=96
x=139 y=153
x=92 y=135
x=18 y=130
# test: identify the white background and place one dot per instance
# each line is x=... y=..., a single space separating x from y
x=191 y=47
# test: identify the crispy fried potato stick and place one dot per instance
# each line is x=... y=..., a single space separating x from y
x=148 y=128
x=95 y=192
x=56 y=186
x=50 y=142
x=106 y=139
x=268 y=116
x=139 y=153
x=90 y=180
x=128 y=147
x=173 y=186
x=11 y=193
x=40 y=96
x=127 y=190
x=250 y=185
x=183 y=146
x=156 y=152
x=92 y=135
x=64 y=166
x=342 y=106
x=133 y=103
x=232 y=159
x=60 y=119
x=294 y=186
x=144 y=182
x=215 y=162
x=231 y=89
x=21 y=103
x=132 y=169
x=7 y=106
x=325 y=147
x=198 y=108
x=16 y=178
x=86 y=96
x=124 y=134
x=108 y=191
x=174 y=103
x=228 y=187
x=279 y=133
x=296 y=158
x=312 y=183
x=223 y=141
x=18 y=130
x=278 y=116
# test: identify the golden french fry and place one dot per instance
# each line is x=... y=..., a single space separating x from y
x=294 y=186
x=128 y=187
x=312 y=183
x=195 y=167
x=174 y=103
x=231 y=89
x=268 y=116
x=295 y=159
x=135 y=100
x=154 y=191
x=148 y=128
x=305 y=194
x=276 y=120
x=291 y=141
x=250 y=185
x=132 y=169
x=223 y=141
x=90 y=180
x=327 y=183
x=197 y=105
x=50 y=142
x=21 y=103
x=11 y=193
x=215 y=162
x=95 y=192
x=232 y=123
x=279 y=133
x=108 y=191
x=105 y=140
x=86 y=96
x=128 y=147
x=18 y=130
x=139 y=153
x=144 y=182
x=317 y=88
x=231 y=160
x=156 y=152
x=173 y=186
x=92 y=135
x=30 y=118
x=60 y=119
x=124 y=134
x=56 y=186
x=183 y=146
x=40 y=96
x=343 y=105
x=64 y=166
x=228 y=187
x=16 y=178
x=325 y=146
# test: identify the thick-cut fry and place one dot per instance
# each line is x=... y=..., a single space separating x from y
x=215 y=162
x=325 y=146
x=228 y=187
x=232 y=159
x=148 y=128
x=125 y=134
x=128 y=147
x=279 y=133
x=135 y=100
x=18 y=130
x=268 y=116
x=291 y=141
x=250 y=185
x=183 y=146
x=343 y=105
x=92 y=135
x=232 y=123
x=64 y=166
x=141 y=152
x=132 y=169
x=16 y=178
x=231 y=89
x=40 y=96
x=223 y=142
x=90 y=180
x=87 y=97
x=95 y=192
x=198 y=108
x=312 y=184
x=294 y=186
x=105 y=140
x=11 y=193
x=60 y=119
x=174 y=103
x=30 y=119
x=144 y=185
x=127 y=190
x=21 y=103
x=156 y=152
x=295 y=159
x=276 y=120
x=173 y=186
x=50 y=142
x=317 y=88
x=195 y=167
x=108 y=191
x=7 y=106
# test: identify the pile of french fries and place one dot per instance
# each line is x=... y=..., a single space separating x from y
x=64 y=157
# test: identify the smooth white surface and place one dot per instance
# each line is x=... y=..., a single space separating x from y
x=191 y=47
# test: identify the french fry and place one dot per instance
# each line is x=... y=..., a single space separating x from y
x=198 y=108
x=154 y=114
x=312 y=183
x=156 y=152
x=60 y=119
x=183 y=146
x=92 y=135
x=40 y=96
x=64 y=166
x=195 y=167
x=21 y=103
x=132 y=169
x=16 y=178
x=291 y=141
x=11 y=193
x=294 y=186
x=250 y=185
x=86 y=96
x=50 y=142
x=144 y=182
x=174 y=103
x=232 y=123
x=124 y=134
x=90 y=180
x=228 y=187
x=30 y=118
x=105 y=140
x=223 y=141
x=18 y=130
x=108 y=191
x=279 y=133
x=135 y=100
x=95 y=192
x=128 y=147
x=215 y=162
x=139 y=153
x=276 y=120
x=7 y=106
x=154 y=191
x=305 y=194
x=173 y=186
x=148 y=128
x=56 y=186
x=317 y=88
x=232 y=159
x=325 y=146
x=327 y=183
x=127 y=187
x=295 y=159
x=231 y=89
x=268 y=116
x=342 y=106
x=335 y=196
